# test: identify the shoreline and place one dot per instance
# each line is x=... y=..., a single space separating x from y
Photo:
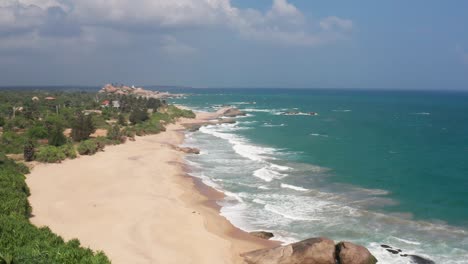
x=182 y=225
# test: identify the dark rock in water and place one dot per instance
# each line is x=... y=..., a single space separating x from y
x=226 y=121
x=403 y=255
x=385 y=246
x=420 y=260
x=311 y=251
x=393 y=251
x=233 y=112
x=349 y=253
x=262 y=234
x=192 y=127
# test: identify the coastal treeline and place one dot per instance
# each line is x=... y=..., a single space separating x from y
x=51 y=126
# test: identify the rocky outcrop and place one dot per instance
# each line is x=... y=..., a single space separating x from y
x=188 y=150
x=349 y=253
x=262 y=234
x=192 y=127
x=231 y=112
x=311 y=251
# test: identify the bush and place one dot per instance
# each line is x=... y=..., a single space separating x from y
x=114 y=133
x=50 y=154
x=121 y=120
x=28 y=151
x=138 y=116
x=13 y=189
x=104 y=141
x=57 y=138
x=12 y=143
x=82 y=127
x=90 y=147
x=69 y=150
x=37 y=132
x=129 y=132
x=2 y=121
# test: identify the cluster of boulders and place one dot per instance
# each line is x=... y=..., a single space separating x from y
x=312 y=251
x=414 y=258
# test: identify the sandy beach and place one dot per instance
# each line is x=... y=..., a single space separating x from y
x=136 y=203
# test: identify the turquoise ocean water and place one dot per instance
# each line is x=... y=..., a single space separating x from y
x=373 y=167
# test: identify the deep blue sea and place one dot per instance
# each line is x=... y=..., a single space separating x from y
x=373 y=167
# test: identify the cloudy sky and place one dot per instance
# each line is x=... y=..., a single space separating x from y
x=417 y=44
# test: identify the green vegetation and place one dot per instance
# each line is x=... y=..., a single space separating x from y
x=50 y=154
x=33 y=123
x=53 y=154
x=88 y=147
x=175 y=112
x=28 y=151
x=138 y=116
x=82 y=127
x=20 y=241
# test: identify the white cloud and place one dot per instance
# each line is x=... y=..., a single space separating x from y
x=283 y=23
x=336 y=23
x=285 y=11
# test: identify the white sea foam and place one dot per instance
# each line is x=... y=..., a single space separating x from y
x=343 y=111
x=318 y=135
x=292 y=187
x=258 y=110
x=247 y=122
x=286 y=214
x=422 y=113
x=281 y=168
x=272 y=125
x=267 y=174
x=239 y=144
x=296 y=113
x=407 y=241
x=242 y=103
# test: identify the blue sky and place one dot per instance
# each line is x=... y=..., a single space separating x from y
x=220 y=43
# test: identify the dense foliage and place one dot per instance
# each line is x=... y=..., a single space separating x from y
x=20 y=241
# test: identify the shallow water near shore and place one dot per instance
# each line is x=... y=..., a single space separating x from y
x=372 y=167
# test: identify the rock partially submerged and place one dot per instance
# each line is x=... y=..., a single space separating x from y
x=188 y=150
x=413 y=258
x=262 y=234
x=312 y=251
x=231 y=112
x=420 y=260
x=349 y=253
